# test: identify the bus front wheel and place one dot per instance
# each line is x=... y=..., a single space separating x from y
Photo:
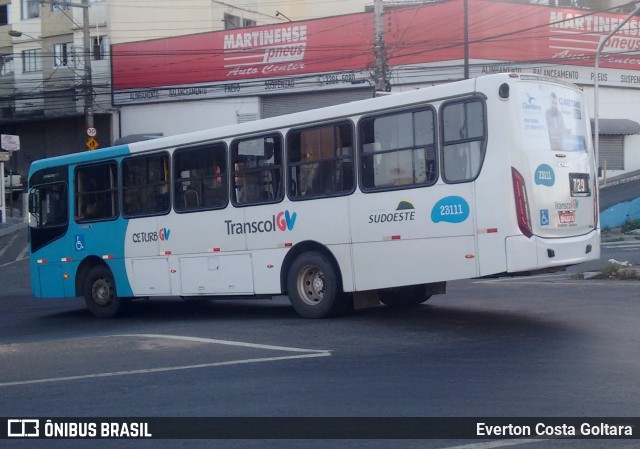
x=100 y=293
x=313 y=287
x=404 y=296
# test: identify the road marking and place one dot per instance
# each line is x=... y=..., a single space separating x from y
x=222 y=342
x=11 y=263
x=308 y=353
x=4 y=250
x=161 y=370
x=492 y=444
x=22 y=254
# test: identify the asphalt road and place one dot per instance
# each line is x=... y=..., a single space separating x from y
x=542 y=346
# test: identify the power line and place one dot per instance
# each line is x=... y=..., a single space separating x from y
x=399 y=50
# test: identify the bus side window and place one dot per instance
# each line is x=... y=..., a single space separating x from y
x=464 y=140
x=320 y=160
x=145 y=185
x=257 y=170
x=96 y=189
x=200 y=177
x=398 y=150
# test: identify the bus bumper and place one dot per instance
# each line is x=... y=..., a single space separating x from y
x=536 y=253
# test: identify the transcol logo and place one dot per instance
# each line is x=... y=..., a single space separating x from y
x=284 y=221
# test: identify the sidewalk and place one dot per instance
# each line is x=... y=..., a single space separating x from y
x=620 y=179
x=12 y=224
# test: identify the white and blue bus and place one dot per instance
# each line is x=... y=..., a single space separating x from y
x=386 y=198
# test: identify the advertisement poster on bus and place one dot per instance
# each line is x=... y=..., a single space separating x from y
x=552 y=118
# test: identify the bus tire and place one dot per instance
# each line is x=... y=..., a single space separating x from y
x=404 y=296
x=313 y=287
x=100 y=293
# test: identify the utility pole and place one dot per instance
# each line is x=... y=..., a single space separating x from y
x=86 y=51
x=466 y=39
x=380 y=65
x=88 y=84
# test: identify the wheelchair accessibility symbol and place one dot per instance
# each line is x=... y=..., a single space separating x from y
x=544 y=217
x=80 y=242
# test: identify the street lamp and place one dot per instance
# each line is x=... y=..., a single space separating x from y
x=603 y=40
x=16 y=33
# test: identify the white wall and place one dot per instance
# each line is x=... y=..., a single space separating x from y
x=312 y=10
x=182 y=117
x=135 y=20
x=621 y=104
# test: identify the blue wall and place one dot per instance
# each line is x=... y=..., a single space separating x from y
x=616 y=215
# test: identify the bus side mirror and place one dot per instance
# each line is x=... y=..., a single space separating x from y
x=32 y=201
x=600 y=172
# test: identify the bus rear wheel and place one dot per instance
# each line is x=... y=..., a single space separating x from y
x=404 y=296
x=100 y=293
x=313 y=287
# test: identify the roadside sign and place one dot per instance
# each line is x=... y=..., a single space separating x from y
x=92 y=143
x=91 y=132
x=10 y=142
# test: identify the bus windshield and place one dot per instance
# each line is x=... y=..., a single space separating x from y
x=48 y=205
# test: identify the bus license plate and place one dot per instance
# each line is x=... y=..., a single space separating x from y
x=579 y=184
x=567 y=216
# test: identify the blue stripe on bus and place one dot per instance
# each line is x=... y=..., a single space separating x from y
x=97 y=239
x=104 y=238
x=80 y=158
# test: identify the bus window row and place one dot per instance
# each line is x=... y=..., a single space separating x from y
x=397 y=150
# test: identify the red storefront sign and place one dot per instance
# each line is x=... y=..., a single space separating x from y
x=427 y=34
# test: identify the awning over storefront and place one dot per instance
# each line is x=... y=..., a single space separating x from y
x=616 y=126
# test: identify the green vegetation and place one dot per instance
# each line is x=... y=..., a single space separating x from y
x=615 y=272
x=630 y=225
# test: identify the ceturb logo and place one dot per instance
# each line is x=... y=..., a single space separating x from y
x=284 y=221
x=154 y=236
